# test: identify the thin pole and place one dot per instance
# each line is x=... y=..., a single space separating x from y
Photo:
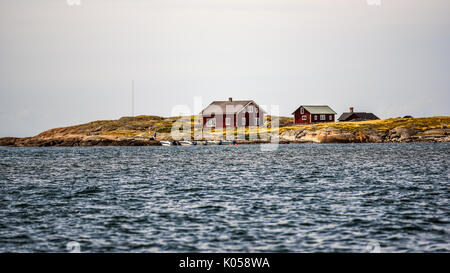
x=132 y=98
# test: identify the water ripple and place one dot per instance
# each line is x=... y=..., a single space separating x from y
x=301 y=198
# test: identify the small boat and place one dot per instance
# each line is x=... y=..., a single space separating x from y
x=202 y=142
x=227 y=142
x=166 y=143
x=213 y=142
x=187 y=143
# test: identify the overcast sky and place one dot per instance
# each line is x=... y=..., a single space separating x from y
x=65 y=64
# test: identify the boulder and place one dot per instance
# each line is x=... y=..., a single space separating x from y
x=401 y=133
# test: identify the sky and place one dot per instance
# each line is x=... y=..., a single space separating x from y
x=63 y=64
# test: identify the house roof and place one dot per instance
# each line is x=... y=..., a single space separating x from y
x=317 y=109
x=228 y=107
x=359 y=115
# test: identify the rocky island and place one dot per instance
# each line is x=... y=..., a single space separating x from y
x=138 y=131
x=433 y=129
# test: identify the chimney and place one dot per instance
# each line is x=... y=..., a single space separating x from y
x=351 y=109
x=230 y=99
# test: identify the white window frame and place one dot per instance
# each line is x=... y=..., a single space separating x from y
x=211 y=122
x=256 y=121
x=315 y=117
x=322 y=117
x=250 y=108
x=227 y=121
x=243 y=121
x=331 y=117
x=302 y=110
x=304 y=117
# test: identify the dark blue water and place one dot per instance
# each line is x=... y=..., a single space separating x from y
x=298 y=198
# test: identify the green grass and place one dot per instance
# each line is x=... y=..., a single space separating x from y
x=418 y=124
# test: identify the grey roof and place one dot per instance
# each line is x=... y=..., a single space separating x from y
x=317 y=109
x=359 y=116
x=228 y=107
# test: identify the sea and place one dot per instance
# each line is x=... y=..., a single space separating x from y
x=226 y=198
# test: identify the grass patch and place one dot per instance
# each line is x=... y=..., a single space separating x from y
x=145 y=126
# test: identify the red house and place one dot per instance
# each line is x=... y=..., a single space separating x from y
x=307 y=114
x=231 y=114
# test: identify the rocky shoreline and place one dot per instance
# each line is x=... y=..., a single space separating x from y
x=74 y=141
x=95 y=141
x=398 y=134
x=289 y=137
x=124 y=132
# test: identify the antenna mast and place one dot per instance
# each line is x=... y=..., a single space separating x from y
x=132 y=98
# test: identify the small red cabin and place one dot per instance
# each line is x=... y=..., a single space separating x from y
x=231 y=114
x=356 y=116
x=307 y=114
